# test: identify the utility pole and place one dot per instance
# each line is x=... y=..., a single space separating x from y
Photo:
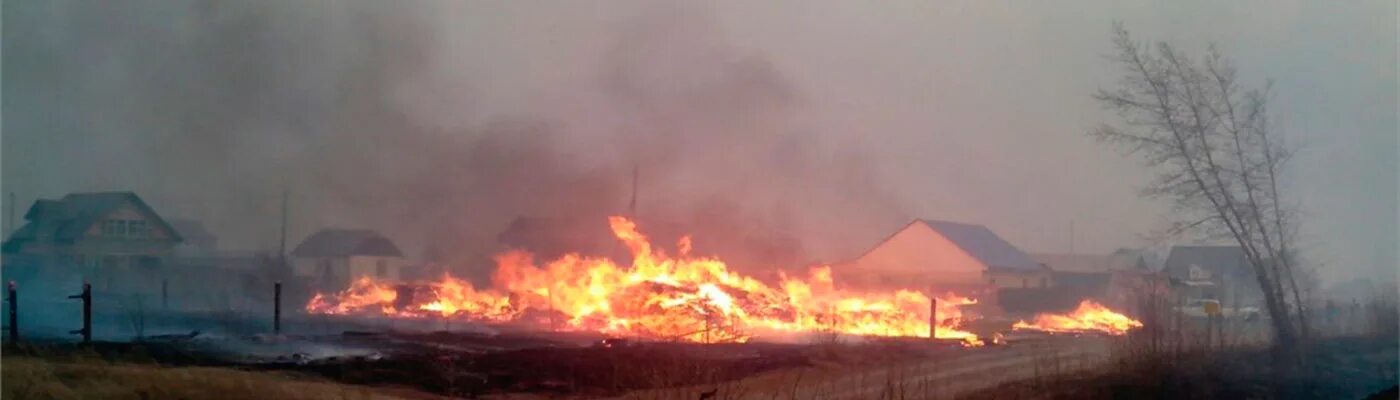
x=632 y=206
x=277 y=308
x=282 y=242
x=1071 y=236
x=10 y=223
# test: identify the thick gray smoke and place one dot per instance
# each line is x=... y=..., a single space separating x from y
x=210 y=110
x=775 y=133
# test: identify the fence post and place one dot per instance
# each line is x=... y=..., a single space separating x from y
x=932 y=318
x=86 y=297
x=277 y=308
x=14 y=313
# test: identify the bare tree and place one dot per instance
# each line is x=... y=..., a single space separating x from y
x=1216 y=157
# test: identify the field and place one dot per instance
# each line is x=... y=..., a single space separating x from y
x=27 y=377
x=1044 y=367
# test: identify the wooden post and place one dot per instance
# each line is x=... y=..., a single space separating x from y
x=277 y=308
x=14 y=314
x=932 y=317
x=86 y=297
x=165 y=294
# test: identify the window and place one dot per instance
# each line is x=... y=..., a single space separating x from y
x=136 y=228
x=114 y=227
x=381 y=268
x=122 y=227
x=1199 y=274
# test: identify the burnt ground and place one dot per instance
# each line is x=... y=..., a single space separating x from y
x=1335 y=368
x=474 y=363
x=455 y=364
x=587 y=371
x=909 y=370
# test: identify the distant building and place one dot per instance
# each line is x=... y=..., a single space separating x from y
x=108 y=230
x=1213 y=272
x=198 y=242
x=332 y=258
x=1107 y=278
x=947 y=255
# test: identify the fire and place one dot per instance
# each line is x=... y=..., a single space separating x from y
x=661 y=297
x=1089 y=317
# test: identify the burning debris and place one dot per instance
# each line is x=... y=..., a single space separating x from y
x=658 y=297
x=1089 y=317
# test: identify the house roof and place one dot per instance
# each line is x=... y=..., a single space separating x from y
x=1218 y=259
x=191 y=229
x=1087 y=263
x=984 y=245
x=67 y=218
x=346 y=242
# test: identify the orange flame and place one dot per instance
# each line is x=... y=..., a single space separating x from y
x=682 y=298
x=1089 y=317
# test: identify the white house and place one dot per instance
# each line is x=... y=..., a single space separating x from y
x=332 y=258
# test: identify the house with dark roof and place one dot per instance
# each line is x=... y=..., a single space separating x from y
x=106 y=230
x=1213 y=272
x=947 y=255
x=1111 y=279
x=332 y=258
x=198 y=241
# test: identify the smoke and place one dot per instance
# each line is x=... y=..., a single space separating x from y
x=771 y=134
x=367 y=116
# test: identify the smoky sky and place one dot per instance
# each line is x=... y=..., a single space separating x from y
x=832 y=123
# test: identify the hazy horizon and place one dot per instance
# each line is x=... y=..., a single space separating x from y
x=831 y=122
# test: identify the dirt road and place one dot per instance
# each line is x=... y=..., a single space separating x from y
x=945 y=376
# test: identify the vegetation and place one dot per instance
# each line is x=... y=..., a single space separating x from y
x=1217 y=160
x=1338 y=368
x=29 y=377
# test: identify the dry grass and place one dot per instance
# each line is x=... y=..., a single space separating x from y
x=39 y=378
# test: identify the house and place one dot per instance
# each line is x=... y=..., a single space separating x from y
x=332 y=258
x=198 y=241
x=1108 y=278
x=106 y=230
x=946 y=255
x=1213 y=272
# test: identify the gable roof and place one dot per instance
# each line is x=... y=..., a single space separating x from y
x=1219 y=260
x=67 y=218
x=984 y=245
x=346 y=242
x=191 y=229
